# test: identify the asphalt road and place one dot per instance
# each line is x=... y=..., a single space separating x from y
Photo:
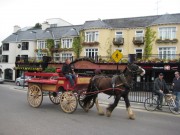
x=18 y=118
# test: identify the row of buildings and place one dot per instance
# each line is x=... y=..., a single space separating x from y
x=97 y=38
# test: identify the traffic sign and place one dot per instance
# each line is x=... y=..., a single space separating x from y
x=117 y=56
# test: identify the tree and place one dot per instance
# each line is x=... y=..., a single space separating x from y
x=77 y=46
x=150 y=36
x=37 y=26
x=50 y=46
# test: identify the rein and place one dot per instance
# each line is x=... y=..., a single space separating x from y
x=96 y=92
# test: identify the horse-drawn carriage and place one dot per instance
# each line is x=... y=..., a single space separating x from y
x=58 y=88
x=85 y=91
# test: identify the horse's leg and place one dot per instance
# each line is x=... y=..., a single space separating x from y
x=131 y=115
x=87 y=101
x=99 y=108
x=112 y=106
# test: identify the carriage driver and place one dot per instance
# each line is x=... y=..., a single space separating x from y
x=69 y=72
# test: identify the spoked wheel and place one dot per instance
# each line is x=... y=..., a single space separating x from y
x=68 y=102
x=55 y=96
x=81 y=103
x=34 y=96
x=150 y=104
x=172 y=107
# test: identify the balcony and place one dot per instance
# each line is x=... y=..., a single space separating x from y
x=138 y=40
x=95 y=43
x=159 y=41
x=118 y=41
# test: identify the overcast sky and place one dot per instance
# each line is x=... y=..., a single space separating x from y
x=29 y=12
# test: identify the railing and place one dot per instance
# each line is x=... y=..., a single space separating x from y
x=141 y=91
x=154 y=58
x=118 y=41
x=138 y=40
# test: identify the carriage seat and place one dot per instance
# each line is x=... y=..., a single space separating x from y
x=59 y=70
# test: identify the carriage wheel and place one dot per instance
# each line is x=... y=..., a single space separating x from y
x=55 y=96
x=68 y=102
x=34 y=96
x=81 y=103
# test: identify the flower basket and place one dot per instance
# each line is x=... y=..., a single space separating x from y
x=90 y=43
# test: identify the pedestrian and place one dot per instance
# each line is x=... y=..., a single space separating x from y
x=69 y=72
x=160 y=88
x=176 y=89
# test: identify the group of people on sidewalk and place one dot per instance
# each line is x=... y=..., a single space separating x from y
x=160 y=88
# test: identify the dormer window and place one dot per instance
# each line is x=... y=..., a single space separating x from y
x=91 y=36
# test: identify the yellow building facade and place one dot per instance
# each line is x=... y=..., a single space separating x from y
x=131 y=40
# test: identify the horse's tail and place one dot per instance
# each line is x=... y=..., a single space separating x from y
x=89 y=97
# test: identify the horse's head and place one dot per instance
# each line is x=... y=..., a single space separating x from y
x=135 y=69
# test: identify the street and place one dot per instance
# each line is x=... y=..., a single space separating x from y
x=18 y=118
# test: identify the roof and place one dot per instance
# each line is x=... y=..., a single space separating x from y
x=73 y=30
x=97 y=24
x=39 y=34
x=131 y=22
x=135 y=22
x=167 y=19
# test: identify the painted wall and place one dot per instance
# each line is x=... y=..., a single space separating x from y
x=106 y=40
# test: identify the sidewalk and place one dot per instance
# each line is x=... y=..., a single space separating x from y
x=104 y=99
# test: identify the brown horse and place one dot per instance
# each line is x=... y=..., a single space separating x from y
x=114 y=87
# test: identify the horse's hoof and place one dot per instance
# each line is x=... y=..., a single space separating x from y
x=132 y=117
x=86 y=109
x=108 y=113
x=101 y=113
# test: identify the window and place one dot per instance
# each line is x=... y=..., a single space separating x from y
x=167 y=52
x=139 y=53
x=40 y=56
x=56 y=57
x=139 y=35
x=91 y=52
x=53 y=25
x=42 y=45
x=91 y=36
x=67 y=43
x=25 y=45
x=56 y=45
x=167 y=33
x=118 y=37
x=6 y=47
x=24 y=57
x=65 y=56
x=5 y=58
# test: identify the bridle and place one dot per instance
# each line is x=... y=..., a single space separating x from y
x=133 y=72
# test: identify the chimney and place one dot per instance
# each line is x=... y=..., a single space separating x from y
x=45 y=25
x=16 y=28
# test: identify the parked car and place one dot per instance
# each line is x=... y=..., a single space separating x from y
x=20 y=81
x=1 y=80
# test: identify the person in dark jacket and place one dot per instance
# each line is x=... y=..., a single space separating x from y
x=160 y=88
x=69 y=72
x=176 y=89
